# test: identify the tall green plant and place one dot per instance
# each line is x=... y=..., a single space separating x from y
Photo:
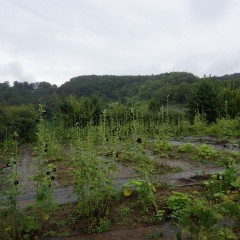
x=92 y=177
x=45 y=172
x=15 y=223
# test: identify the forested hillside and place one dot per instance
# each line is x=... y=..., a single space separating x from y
x=85 y=97
x=177 y=85
x=120 y=87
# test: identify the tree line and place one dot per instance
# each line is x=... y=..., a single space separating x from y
x=85 y=98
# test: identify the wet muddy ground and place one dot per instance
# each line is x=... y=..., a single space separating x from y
x=187 y=170
x=191 y=173
x=165 y=231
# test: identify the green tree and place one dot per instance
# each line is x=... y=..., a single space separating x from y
x=21 y=119
x=204 y=100
x=181 y=91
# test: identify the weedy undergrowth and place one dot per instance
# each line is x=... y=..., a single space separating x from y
x=15 y=223
x=45 y=172
x=92 y=178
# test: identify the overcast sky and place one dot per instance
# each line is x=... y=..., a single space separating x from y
x=55 y=40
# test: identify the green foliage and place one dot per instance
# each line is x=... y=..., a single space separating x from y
x=204 y=99
x=223 y=234
x=220 y=183
x=203 y=219
x=51 y=143
x=158 y=217
x=177 y=203
x=92 y=177
x=21 y=119
x=104 y=225
x=93 y=186
x=15 y=223
x=44 y=175
x=187 y=147
x=230 y=205
x=145 y=193
x=230 y=94
x=200 y=217
x=154 y=89
x=81 y=111
x=161 y=147
x=25 y=93
x=123 y=215
x=145 y=166
x=206 y=152
x=199 y=123
x=118 y=87
x=122 y=131
x=224 y=128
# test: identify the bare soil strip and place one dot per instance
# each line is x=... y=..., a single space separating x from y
x=190 y=175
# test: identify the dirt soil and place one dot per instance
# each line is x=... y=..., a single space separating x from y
x=164 y=231
x=192 y=174
x=64 y=192
x=26 y=169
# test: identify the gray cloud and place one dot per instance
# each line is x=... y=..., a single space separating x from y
x=206 y=11
x=13 y=72
x=55 y=40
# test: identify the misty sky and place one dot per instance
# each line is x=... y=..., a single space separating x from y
x=55 y=40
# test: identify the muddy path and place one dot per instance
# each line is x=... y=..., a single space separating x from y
x=165 y=231
x=26 y=169
x=191 y=173
x=66 y=194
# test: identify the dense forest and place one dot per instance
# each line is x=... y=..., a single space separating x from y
x=177 y=85
x=85 y=97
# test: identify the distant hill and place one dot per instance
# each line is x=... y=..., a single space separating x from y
x=113 y=87
x=234 y=76
x=176 y=85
